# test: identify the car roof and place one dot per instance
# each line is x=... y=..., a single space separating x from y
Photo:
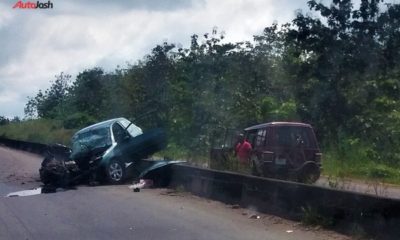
x=263 y=125
x=103 y=124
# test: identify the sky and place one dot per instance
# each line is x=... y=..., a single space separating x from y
x=36 y=45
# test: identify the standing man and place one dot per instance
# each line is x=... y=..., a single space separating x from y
x=242 y=150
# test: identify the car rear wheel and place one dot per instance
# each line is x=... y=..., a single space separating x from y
x=115 y=172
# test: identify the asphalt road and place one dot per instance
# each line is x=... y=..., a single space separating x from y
x=115 y=212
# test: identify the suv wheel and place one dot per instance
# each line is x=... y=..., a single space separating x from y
x=115 y=172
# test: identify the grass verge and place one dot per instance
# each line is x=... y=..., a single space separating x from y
x=38 y=130
x=363 y=169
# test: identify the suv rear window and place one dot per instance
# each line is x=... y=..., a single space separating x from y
x=291 y=135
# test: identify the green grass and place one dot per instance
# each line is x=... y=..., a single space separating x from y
x=359 y=167
x=38 y=130
x=176 y=152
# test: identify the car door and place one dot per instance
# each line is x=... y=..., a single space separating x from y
x=221 y=154
x=261 y=157
x=122 y=138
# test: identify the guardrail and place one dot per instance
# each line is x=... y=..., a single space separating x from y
x=38 y=148
x=293 y=200
x=371 y=213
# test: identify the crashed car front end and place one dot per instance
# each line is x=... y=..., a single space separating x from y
x=105 y=150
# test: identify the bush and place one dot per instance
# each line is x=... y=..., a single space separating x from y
x=78 y=120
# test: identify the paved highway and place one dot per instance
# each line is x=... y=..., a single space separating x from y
x=115 y=212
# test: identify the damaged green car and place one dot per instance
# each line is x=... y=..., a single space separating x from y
x=103 y=151
x=113 y=145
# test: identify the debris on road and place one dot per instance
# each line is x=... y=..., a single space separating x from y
x=254 y=216
x=25 y=193
x=143 y=183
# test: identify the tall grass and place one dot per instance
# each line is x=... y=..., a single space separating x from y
x=355 y=159
x=38 y=130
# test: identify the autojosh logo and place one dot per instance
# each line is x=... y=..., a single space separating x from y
x=33 y=5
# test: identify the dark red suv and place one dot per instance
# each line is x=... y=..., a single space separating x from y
x=286 y=150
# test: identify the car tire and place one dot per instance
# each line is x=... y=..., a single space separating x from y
x=115 y=171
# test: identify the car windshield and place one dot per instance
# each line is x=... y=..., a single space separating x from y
x=94 y=138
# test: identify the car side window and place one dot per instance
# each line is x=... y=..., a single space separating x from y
x=261 y=136
x=119 y=133
x=251 y=137
x=131 y=128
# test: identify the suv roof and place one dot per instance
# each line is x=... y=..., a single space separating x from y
x=296 y=124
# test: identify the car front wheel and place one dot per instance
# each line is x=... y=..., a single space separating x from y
x=115 y=172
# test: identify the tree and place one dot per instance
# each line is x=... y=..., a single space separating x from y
x=50 y=103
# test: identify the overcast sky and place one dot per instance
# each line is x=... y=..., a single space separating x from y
x=75 y=35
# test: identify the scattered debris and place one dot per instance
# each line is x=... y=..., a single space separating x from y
x=25 y=193
x=289 y=231
x=235 y=206
x=143 y=183
x=254 y=216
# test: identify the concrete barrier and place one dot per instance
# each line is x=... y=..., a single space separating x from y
x=38 y=148
x=292 y=200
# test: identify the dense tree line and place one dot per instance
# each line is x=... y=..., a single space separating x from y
x=6 y=120
x=336 y=67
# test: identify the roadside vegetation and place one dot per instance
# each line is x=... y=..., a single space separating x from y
x=38 y=130
x=336 y=67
